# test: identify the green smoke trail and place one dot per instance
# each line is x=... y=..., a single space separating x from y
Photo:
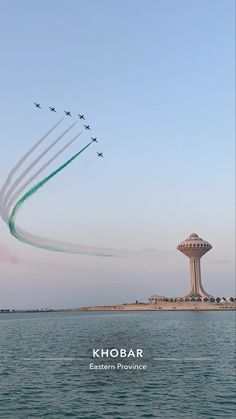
x=35 y=188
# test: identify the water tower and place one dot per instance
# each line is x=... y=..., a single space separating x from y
x=194 y=247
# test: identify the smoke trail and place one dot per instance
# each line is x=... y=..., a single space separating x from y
x=41 y=242
x=5 y=212
x=28 y=169
x=23 y=158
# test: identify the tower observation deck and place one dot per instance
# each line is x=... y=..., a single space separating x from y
x=194 y=247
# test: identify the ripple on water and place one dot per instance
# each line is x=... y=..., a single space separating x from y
x=44 y=361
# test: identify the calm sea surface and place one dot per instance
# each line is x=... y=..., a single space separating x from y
x=45 y=358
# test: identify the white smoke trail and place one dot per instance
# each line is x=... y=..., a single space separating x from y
x=23 y=158
x=12 y=200
x=30 y=167
x=60 y=246
x=9 y=196
x=44 y=242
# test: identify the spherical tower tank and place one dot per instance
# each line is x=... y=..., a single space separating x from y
x=194 y=247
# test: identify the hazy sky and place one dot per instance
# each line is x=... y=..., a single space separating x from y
x=155 y=78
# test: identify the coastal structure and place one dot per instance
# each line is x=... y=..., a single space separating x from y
x=194 y=248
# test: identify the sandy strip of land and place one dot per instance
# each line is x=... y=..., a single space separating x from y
x=162 y=306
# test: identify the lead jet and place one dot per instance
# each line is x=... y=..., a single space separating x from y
x=81 y=116
x=67 y=113
x=100 y=154
x=94 y=139
x=52 y=109
x=37 y=105
x=87 y=127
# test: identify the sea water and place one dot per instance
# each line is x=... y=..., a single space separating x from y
x=45 y=365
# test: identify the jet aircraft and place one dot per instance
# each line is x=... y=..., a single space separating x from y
x=81 y=116
x=52 y=109
x=67 y=113
x=94 y=139
x=87 y=127
x=37 y=105
x=100 y=154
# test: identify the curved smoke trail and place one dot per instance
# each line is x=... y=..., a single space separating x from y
x=14 y=197
x=41 y=242
x=30 y=167
x=23 y=158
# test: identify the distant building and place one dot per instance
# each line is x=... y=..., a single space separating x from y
x=155 y=298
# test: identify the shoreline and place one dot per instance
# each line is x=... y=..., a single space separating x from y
x=161 y=306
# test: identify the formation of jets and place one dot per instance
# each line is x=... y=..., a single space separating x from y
x=68 y=113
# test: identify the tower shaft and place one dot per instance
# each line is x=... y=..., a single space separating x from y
x=195 y=270
x=196 y=283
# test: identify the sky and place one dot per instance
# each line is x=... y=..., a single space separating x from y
x=155 y=80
